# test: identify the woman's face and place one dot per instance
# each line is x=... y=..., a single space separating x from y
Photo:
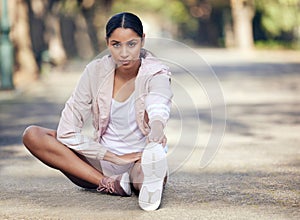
x=125 y=47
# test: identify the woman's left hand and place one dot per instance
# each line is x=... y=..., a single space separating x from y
x=157 y=133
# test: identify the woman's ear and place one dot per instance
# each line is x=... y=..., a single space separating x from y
x=143 y=40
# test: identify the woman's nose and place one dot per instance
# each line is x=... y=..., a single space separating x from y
x=124 y=52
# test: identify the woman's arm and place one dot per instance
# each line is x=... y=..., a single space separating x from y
x=158 y=104
x=75 y=114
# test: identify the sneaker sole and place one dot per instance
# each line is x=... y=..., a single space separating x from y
x=125 y=184
x=154 y=166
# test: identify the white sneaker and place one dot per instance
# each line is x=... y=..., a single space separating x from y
x=154 y=166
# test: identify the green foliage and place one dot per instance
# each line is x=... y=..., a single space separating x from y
x=276 y=45
x=279 y=15
x=171 y=10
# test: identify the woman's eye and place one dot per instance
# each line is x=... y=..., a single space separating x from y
x=117 y=45
x=131 y=44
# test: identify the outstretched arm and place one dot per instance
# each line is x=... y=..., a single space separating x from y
x=158 y=104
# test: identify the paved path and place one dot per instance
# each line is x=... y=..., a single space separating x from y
x=254 y=175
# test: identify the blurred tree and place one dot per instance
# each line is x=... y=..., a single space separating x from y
x=25 y=65
x=88 y=10
x=213 y=16
x=242 y=16
x=172 y=17
x=56 y=51
x=202 y=11
x=67 y=13
x=280 y=18
x=77 y=27
x=81 y=23
x=37 y=12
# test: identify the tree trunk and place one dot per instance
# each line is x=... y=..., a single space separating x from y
x=36 y=13
x=88 y=14
x=242 y=14
x=68 y=30
x=57 y=53
x=26 y=68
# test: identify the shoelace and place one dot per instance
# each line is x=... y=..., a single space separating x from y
x=107 y=187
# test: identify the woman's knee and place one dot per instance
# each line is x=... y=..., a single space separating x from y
x=29 y=134
x=32 y=135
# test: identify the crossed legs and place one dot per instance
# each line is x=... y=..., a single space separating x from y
x=42 y=143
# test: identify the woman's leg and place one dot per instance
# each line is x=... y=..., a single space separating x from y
x=42 y=143
x=137 y=176
x=148 y=176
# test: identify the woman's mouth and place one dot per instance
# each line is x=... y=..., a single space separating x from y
x=124 y=62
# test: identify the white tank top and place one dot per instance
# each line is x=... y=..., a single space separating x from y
x=123 y=135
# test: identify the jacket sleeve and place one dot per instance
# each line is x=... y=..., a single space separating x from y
x=76 y=112
x=159 y=98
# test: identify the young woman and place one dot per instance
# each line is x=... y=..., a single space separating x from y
x=128 y=95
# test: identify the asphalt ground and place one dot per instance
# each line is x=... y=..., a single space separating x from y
x=252 y=173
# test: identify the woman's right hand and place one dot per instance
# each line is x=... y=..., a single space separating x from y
x=122 y=159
